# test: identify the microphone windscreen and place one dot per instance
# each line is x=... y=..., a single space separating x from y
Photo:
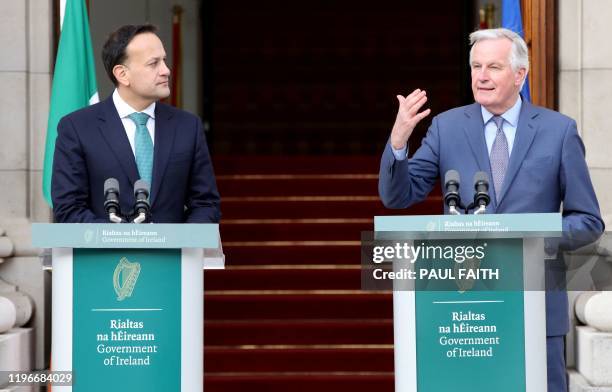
x=141 y=186
x=111 y=185
x=451 y=175
x=481 y=177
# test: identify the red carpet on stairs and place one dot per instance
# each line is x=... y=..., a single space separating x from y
x=288 y=313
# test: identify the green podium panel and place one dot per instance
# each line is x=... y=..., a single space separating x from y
x=127 y=306
x=126 y=319
x=480 y=336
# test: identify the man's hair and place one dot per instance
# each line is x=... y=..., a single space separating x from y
x=519 y=55
x=113 y=52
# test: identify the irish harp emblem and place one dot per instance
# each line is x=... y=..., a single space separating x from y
x=466 y=284
x=125 y=277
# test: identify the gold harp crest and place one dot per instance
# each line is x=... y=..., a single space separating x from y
x=125 y=277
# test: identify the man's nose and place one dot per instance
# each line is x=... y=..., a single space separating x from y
x=482 y=74
x=164 y=71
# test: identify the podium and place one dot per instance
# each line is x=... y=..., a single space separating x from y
x=127 y=303
x=470 y=337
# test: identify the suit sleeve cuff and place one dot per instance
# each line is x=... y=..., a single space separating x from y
x=400 y=154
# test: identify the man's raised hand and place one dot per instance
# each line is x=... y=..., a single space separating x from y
x=408 y=116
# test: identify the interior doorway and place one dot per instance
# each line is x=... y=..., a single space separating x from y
x=320 y=78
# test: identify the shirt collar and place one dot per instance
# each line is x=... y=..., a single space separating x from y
x=511 y=116
x=125 y=110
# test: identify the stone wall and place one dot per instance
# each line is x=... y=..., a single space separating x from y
x=25 y=75
x=585 y=77
x=585 y=80
x=26 y=37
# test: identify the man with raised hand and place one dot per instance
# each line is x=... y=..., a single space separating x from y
x=533 y=155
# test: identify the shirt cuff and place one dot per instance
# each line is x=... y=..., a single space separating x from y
x=400 y=154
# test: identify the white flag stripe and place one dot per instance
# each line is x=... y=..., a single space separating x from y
x=62 y=12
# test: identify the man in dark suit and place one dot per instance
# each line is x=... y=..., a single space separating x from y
x=131 y=136
x=534 y=157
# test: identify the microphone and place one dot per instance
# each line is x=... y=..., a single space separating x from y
x=111 y=200
x=481 y=195
x=451 y=196
x=142 y=206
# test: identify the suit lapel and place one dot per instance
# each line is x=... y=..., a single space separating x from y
x=475 y=136
x=525 y=133
x=474 y=132
x=113 y=131
x=165 y=129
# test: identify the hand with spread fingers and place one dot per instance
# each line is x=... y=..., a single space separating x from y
x=408 y=116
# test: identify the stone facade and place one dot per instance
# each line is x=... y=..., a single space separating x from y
x=585 y=77
x=26 y=37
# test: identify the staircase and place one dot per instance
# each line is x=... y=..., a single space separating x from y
x=288 y=312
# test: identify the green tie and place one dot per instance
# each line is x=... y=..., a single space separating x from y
x=143 y=146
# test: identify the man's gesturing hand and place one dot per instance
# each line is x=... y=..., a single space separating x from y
x=408 y=117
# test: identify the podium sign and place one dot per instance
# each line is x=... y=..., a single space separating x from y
x=480 y=336
x=127 y=311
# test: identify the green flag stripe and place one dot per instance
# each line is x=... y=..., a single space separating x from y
x=74 y=79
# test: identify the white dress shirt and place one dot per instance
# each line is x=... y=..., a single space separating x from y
x=509 y=125
x=125 y=110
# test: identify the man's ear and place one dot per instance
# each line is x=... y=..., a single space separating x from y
x=520 y=75
x=120 y=72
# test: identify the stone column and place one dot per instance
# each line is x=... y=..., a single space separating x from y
x=585 y=74
x=25 y=75
x=585 y=77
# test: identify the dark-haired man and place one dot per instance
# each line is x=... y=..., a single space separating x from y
x=131 y=136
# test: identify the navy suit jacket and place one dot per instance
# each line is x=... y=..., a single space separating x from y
x=547 y=169
x=92 y=146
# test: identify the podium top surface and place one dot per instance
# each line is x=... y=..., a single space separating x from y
x=493 y=223
x=109 y=235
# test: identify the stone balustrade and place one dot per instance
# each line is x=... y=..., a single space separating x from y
x=6 y=245
x=593 y=343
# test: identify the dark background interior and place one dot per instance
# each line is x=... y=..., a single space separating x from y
x=320 y=78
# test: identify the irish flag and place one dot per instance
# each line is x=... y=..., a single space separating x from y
x=74 y=79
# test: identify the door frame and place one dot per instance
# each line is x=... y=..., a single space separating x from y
x=541 y=35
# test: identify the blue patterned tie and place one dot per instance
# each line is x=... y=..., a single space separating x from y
x=499 y=156
x=143 y=146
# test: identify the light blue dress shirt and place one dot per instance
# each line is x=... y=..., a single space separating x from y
x=511 y=117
